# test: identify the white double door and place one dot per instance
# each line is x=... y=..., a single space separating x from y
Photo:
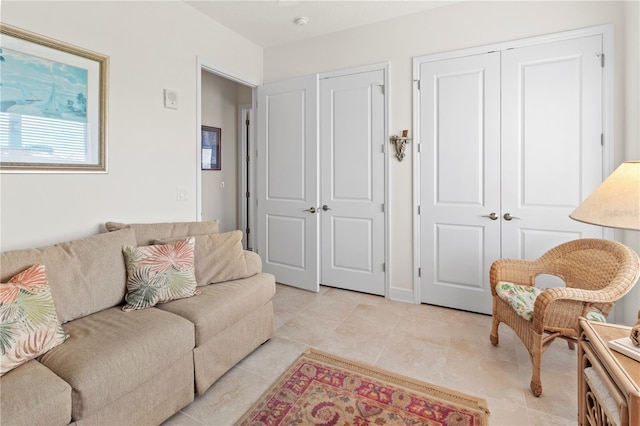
x=510 y=145
x=320 y=175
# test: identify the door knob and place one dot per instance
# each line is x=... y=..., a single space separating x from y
x=507 y=216
x=492 y=216
x=311 y=210
x=326 y=207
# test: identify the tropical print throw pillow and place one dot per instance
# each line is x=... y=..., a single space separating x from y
x=159 y=273
x=29 y=324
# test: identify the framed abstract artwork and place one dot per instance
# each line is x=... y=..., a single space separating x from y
x=53 y=105
x=211 y=148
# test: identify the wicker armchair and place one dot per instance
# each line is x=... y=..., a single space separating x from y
x=596 y=272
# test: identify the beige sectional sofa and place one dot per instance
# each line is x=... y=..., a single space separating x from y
x=137 y=367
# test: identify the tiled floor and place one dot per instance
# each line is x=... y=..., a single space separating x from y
x=437 y=345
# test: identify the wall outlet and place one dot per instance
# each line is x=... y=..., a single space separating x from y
x=182 y=194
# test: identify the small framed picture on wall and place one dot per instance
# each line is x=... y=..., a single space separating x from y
x=211 y=148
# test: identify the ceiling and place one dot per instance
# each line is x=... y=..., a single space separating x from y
x=270 y=23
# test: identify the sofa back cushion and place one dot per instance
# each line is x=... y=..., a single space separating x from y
x=85 y=276
x=147 y=233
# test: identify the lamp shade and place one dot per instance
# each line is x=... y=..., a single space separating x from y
x=616 y=203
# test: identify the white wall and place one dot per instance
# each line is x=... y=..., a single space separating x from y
x=220 y=100
x=631 y=126
x=457 y=26
x=152 y=150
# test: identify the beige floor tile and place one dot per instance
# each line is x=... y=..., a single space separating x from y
x=181 y=419
x=309 y=329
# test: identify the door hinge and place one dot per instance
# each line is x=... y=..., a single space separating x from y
x=247 y=122
x=248 y=158
x=602 y=139
x=382 y=88
x=602 y=60
x=384 y=267
x=419 y=272
x=382 y=207
x=419 y=148
x=418 y=81
x=248 y=231
x=418 y=209
x=248 y=194
x=382 y=146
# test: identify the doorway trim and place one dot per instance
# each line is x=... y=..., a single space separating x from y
x=608 y=119
x=204 y=64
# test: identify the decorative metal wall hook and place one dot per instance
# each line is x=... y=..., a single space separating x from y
x=400 y=142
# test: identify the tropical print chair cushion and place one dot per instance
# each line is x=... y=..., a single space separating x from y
x=595 y=315
x=159 y=273
x=29 y=324
x=520 y=297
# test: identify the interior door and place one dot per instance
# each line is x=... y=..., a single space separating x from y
x=352 y=137
x=287 y=183
x=460 y=180
x=551 y=142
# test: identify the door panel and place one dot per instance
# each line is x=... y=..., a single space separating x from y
x=551 y=147
x=287 y=185
x=352 y=137
x=460 y=177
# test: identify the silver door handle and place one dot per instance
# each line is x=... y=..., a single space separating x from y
x=312 y=210
x=492 y=216
x=507 y=216
x=326 y=207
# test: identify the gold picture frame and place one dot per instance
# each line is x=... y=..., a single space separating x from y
x=53 y=105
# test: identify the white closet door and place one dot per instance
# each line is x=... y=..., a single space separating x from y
x=352 y=135
x=551 y=142
x=460 y=180
x=516 y=133
x=288 y=224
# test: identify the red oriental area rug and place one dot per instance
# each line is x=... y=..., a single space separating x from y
x=322 y=389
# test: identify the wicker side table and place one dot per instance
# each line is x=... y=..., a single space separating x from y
x=608 y=381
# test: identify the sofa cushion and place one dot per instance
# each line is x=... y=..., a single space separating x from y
x=218 y=257
x=85 y=276
x=34 y=395
x=159 y=273
x=110 y=353
x=223 y=304
x=146 y=233
x=30 y=325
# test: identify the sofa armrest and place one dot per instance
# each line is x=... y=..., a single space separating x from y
x=254 y=262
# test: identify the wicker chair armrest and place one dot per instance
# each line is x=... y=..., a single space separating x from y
x=516 y=271
x=581 y=297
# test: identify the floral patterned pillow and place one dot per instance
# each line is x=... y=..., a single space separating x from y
x=159 y=273
x=520 y=297
x=29 y=324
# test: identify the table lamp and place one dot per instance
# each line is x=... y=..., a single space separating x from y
x=616 y=204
